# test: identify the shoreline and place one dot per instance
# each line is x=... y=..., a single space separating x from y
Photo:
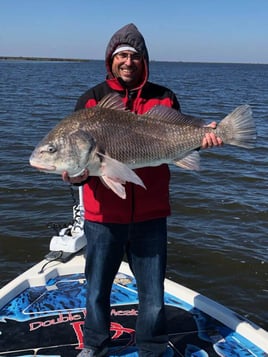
x=53 y=59
x=60 y=59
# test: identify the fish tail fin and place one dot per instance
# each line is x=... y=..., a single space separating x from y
x=115 y=174
x=238 y=128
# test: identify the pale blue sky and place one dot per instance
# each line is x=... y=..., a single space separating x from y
x=175 y=30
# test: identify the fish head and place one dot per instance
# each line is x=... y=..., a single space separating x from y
x=62 y=150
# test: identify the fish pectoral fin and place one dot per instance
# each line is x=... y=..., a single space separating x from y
x=189 y=162
x=116 y=186
x=115 y=173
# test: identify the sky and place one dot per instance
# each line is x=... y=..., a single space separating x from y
x=174 y=30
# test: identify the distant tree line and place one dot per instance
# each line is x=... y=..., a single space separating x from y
x=22 y=58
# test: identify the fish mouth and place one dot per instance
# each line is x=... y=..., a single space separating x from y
x=41 y=167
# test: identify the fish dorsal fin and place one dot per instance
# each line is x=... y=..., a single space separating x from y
x=112 y=101
x=172 y=116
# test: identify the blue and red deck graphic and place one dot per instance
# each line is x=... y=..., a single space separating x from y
x=48 y=321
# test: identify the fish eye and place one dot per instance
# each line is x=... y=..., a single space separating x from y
x=51 y=148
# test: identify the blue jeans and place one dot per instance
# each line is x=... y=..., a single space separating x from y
x=145 y=244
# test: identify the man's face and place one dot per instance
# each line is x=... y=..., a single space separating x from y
x=129 y=66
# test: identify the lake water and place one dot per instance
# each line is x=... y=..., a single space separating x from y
x=218 y=229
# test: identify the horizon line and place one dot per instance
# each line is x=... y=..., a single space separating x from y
x=66 y=59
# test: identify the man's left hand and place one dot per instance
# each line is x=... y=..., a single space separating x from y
x=211 y=139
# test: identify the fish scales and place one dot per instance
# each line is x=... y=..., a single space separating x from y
x=141 y=138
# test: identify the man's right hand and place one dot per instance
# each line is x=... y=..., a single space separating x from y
x=77 y=179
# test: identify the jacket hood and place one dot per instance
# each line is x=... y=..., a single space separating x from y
x=127 y=35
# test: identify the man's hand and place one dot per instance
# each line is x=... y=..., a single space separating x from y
x=211 y=139
x=74 y=180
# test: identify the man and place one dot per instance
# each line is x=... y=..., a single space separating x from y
x=137 y=225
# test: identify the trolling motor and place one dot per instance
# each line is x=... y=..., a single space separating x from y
x=71 y=239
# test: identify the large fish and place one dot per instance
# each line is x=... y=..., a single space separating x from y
x=110 y=141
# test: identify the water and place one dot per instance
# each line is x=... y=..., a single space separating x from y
x=218 y=229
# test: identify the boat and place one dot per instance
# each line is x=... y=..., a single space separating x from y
x=42 y=311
